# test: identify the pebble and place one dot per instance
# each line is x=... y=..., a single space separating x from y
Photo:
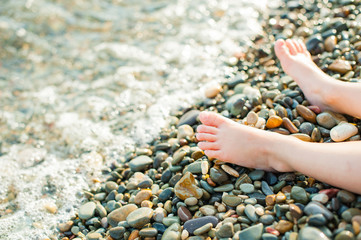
x=212 y=91
x=343 y=131
x=140 y=163
x=186 y=187
x=230 y=170
x=311 y=233
x=120 y=214
x=340 y=66
x=315 y=207
x=346 y=196
x=326 y=120
x=256 y=175
x=283 y=226
x=288 y=124
x=142 y=195
x=348 y=214
x=87 y=210
x=93 y=236
x=64 y=227
x=321 y=197
x=317 y=220
x=165 y=194
x=148 y=232
x=203 y=229
x=172 y=232
x=266 y=188
x=253 y=232
x=250 y=212
x=267 y=219
x=117 y=232
x=306 y=113
x=208 y=210
x=330 y=43
x=224 y=188
x=218 y=175
x=268 y=236
x=196 y=223
x=191 y=201
x=185 y=131
x=345 y=235
x=189 y=118
x=295 y=211
x=299 y=195
x=246 y=188
x=225 y=231
x=252 y=118
x=231 y=200
x=184 y=214
x=274 y=122
x=139 y=217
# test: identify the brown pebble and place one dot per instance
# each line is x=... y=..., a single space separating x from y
x=212 y=91
x=289 y=125
x=340 y=66
x=142 y=195
x=295 y=211
x=64 y=227
x=274 y=121
x=184 y=214
x=280 y=197
x=306 y=113
x=271 y=200
x=284 y=226
x=356 y=227
x=287 y=189
x=146 y=203
x=330 y=43
x=230 y=170
x=134 y=235
x=315 y=109
x=302 y=136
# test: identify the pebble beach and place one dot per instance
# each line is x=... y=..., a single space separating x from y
x=157 y=184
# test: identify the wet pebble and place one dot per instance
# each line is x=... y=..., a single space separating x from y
x=196 y=223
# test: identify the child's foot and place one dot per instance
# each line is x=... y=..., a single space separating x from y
x=296 y=61
x=229 y=141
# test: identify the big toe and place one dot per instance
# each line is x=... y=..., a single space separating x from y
x=211 y=119
x=281 y=50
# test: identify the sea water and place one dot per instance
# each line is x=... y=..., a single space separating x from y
x=82 y=81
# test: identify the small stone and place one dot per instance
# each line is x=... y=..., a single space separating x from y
x=348 y=214
x=345 y=235
x=203 y=229
x=148 y=232
x=87 y=210
x=346 y=196
x=247 y=188
x=204 y=167
x=280 y=197
x=315 y=207
x=120 y=214
x=189 y=118
x=326 y=120
x=331 y=192
x=271 y=199
x=224 y=188
x=250 y=212
x=268 y=236
x=172 y=232
x=142 y=195
x=306 y=113
x=340 y=66
x=256 y=175
x=64 y=227
x=159 y=214
x=311 y=233
x=185 y=131
x=321 y=197
x=218 y=175
x=274 y=122
x=51 y=208
x=93 y=236
x=317 y=220
x=266 y=188
x=267 y=219
x=139 y=217
x=230 y=170
x=134 y=235
x=191 y=201
x=225 y=231
x=231 y=200
x=184 y=214
x=165 y=195
x=117 y=232
x=140 y=163
x=288 y=124
x=196 y=223
x=254 y=232
x=284 y=226
x=343 y=131
x=295 y=211
x=208 y=210
x=212 y=91
x=184 y=235
x=101 y=210
x=252 y=118
x=330 y=43
x=302 y=136
x=186 y=187
x=299 y=195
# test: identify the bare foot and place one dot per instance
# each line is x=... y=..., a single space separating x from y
x=296 y=61
x=232 y=142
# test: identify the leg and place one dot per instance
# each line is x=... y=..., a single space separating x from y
x=319 y=88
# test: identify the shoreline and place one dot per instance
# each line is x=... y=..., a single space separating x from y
x=170 y=190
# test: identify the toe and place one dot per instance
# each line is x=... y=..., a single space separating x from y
x=291 y=46
x=206 y=137
x=207 y=129
x=281 y=50
x=212 y=153
x=304 y=49
x=208 y=146
x=211 y=119
x=298 y=46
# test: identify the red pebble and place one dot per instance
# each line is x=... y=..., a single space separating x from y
x=234 y=216
x=272 y=231
x=331 y=193
x=314 y=109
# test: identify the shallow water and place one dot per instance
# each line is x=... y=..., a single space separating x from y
x=81 y=81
